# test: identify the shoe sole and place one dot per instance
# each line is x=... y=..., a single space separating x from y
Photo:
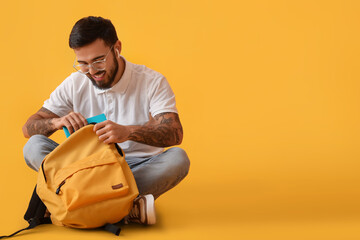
x=150 y=217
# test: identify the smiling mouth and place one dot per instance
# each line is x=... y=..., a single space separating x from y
x=98 y=76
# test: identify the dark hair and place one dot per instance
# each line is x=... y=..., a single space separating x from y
x=88 y=29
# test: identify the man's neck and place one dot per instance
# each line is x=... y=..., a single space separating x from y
x=120 y=72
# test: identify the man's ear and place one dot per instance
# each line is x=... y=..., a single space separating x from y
x=117 y=47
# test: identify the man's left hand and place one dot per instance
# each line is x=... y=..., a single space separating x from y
x=110 y=132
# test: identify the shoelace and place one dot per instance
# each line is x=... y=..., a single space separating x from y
x=135 y=212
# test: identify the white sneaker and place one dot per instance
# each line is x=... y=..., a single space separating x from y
x=143 y=211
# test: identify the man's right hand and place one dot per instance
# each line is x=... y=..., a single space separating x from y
x=45 y=122
x=72 y=121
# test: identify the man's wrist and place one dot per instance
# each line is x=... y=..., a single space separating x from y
x=56 y=124
x=131 y=130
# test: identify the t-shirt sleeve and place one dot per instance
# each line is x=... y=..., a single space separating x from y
x=162 y=98
x=60 y=101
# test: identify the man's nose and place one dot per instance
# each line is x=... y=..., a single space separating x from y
x=92 y=71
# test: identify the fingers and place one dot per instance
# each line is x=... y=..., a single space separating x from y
x=107 y=138
x=103 y=130
x=68 y=125
x=74 y=121
x=109 y=132
x=100 y=125
x=80 y=120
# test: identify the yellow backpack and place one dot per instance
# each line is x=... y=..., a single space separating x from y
x=83 y=183
x=86 y=183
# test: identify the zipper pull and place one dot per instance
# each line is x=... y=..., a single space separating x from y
x=58 y=189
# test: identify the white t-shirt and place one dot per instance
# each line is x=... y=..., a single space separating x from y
x=139 y=92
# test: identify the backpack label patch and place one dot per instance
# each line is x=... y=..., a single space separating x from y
x=117 y=186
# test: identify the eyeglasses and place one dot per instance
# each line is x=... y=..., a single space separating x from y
x=97 y=65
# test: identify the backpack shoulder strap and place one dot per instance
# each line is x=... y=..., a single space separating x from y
x=112 y=228
x=34 y=214
x=36 y=208
x=33 y=222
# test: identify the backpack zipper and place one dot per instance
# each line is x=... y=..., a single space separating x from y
x=42 y=166
x=58 y=189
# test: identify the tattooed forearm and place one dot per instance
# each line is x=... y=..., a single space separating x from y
x=41 y=126
x=42 y=122
x=163 y=130
x=46 y=111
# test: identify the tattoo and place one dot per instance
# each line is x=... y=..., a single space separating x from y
x=45 y=110
x=163 y=131
x=42 y=126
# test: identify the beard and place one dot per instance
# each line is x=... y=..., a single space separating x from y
x=112 y=73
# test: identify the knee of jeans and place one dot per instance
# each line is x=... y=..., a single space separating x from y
x=32 y=149
x=180 y=161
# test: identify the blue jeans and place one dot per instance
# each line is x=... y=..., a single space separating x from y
x=154 y=175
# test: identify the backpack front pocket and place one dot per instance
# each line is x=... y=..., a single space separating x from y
x=96 y=178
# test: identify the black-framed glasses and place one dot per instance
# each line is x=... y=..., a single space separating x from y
x=97 y=65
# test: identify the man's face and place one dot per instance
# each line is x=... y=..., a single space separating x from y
x=96 y=51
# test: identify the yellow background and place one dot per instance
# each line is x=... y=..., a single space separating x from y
x=268 y=94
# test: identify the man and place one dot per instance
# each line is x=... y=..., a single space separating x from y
x=137 y=101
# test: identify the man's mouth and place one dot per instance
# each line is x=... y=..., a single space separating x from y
x=99 y=76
